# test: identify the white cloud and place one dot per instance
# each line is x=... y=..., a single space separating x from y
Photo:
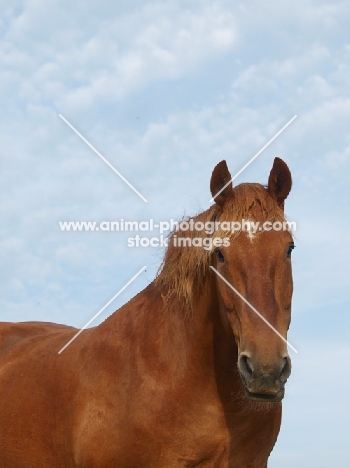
x=117 y=55
x=337 y=161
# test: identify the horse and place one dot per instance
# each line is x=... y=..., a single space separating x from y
x=185 y=374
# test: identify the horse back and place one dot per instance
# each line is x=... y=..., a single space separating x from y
x=13 y=335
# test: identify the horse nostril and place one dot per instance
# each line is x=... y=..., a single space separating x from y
x=285 y=372
x=246 y=366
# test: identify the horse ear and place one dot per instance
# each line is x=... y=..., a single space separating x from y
x=219 y=178
x=280 y=181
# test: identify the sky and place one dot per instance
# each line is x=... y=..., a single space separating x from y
x=164 y=90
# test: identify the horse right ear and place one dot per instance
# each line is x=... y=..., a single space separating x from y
x=220 y=183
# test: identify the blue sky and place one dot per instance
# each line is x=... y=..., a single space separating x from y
x=165 y=90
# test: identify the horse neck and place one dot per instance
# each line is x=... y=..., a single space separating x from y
x=192 y=342
x=207 y=338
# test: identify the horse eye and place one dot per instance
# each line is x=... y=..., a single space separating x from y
x=289 y=253
x=221 y=258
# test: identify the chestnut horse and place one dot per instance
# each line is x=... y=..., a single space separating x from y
x=183 y=375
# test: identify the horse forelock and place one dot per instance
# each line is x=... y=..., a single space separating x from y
x=184 y=268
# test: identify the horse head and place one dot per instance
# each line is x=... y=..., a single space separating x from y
x=257 y=263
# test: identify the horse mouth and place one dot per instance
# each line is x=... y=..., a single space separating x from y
x=266 y=397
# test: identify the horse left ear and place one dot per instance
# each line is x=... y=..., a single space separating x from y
x=221 y=182
x=280 y=181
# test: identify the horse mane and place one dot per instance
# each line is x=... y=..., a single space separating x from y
x=184 y=268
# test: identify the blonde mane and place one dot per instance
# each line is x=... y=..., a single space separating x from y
x=184 y=268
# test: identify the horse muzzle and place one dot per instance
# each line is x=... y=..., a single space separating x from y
x=264 y=381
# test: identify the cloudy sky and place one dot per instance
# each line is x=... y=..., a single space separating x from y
x=165 y=90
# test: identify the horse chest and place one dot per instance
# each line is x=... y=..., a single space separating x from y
x=170 y=437
x=196 y=437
